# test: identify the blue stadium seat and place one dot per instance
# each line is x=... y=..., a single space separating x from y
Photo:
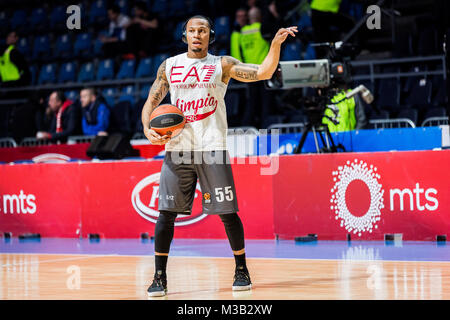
x=420 y=93
x=41 y=48
x=127 y=94
x=38 y=19
x=47 y=74
x=105 y=70
x=222 y=29
x=310 y=53
x=177 y=7
x=87 y=72
x=126 y=70
x=4 y=22
x=72 y=94
x=123 y=5
x=439 y=91
x=34 y=72
x=67 y=72
x=110 y=96
x=232 y=103
x=161 y=8
x=98 y=14
x=388 y=95
x=58 y=17
x=304 y=22
x=178 y=32
x=18 y=19
x=144 y=68
x=156 y=62
x=121 y=118
x=143 y=94
x=82 y=46
x=24 y=46
x=63 y=47
x=291 y=51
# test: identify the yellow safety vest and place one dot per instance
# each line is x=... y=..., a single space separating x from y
x=346 y=114
x=326 y=5
x=8 y=70
x=254 y=47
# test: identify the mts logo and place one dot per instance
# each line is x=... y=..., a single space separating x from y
x=21 y=203
x=416 y=198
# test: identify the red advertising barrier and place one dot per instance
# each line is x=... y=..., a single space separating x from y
x=40 y=198
x=74 y=151
x=118 y=200
x=366 y=195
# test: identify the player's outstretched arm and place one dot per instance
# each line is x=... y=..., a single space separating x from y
x=247 y=72
x=158 y=91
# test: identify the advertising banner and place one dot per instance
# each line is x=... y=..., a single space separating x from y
x=365 y=195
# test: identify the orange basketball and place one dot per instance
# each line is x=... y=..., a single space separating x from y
x=167 y=119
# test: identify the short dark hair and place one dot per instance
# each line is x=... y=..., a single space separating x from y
x=199 y=16
x=60 y=95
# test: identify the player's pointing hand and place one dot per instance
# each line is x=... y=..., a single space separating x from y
x=283 y=33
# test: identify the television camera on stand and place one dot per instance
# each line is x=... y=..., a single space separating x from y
x=328 y=76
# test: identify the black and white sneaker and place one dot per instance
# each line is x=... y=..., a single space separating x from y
x=158 y=288
x=242 y=280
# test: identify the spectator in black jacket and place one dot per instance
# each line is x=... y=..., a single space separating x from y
x=65 y=121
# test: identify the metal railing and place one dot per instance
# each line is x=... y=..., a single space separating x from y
x=435 y=121
x=7 y=143
x=295 y=127
x=80 y=139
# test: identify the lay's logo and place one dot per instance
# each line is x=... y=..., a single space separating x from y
x=145 y=198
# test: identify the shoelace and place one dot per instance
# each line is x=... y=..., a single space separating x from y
x=157 y=282
x=241 y=276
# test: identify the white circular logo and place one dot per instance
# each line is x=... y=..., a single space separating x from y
x=343 y=177
x=150 y=212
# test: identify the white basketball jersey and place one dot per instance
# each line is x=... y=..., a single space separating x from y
x=196 y=88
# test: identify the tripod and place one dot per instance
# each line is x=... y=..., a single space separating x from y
x=314 y=125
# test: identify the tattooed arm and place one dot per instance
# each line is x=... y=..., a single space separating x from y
x=157 y=93
x=246 y=72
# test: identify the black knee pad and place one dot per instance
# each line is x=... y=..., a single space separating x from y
x=234 y=230
x=164 y=230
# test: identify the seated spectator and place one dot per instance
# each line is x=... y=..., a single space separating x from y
x=143 y=31
x=95 y=114
x=115 y=42
x=14 y=71
x=65 y=118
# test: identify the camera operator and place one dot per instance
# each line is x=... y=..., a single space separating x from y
x=344 y=114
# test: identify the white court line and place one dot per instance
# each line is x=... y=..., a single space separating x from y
x=209 y=257
x=40 y=261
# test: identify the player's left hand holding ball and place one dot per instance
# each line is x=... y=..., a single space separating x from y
x=155 y=137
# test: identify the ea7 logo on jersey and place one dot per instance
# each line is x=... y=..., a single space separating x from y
x=176 y=73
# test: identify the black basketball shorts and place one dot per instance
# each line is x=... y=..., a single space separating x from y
x=178 y=181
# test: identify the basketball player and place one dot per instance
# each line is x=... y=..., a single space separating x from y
x=197 y=82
